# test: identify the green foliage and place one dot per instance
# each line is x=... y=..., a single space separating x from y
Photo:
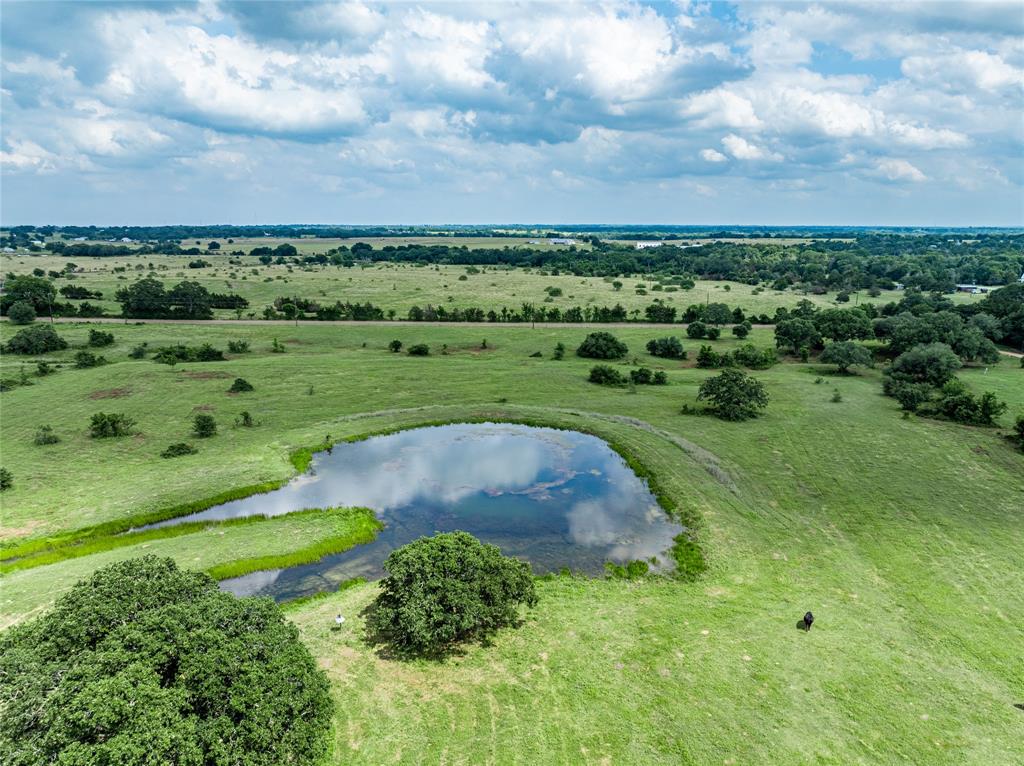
x=239 y=386
x=276 y=347
x=104 y=425
x=634 y=570
x=644 y=376
x=667 y=348
x=796 y=334
x=602 y=345
x=6 y=479
x=178 y=449
x=395 y=346
x=139 y=351
x=604 y=375
x=244 y=419
x=843 y=324
x=36 y=291
x=957 y=403
x=934 y=364
x=713 y=333
x=238 y=346
x=734 y=395
x=1018 y=432
x=21 y=312
x=741 y=331
x=845 y=355
x=36 y=339
x=44 y=368
x=86 y=359
x=696 y=330
x=911 y=396
x=145 y=663
x=98 y=338
x=836 y=396
x=559 y=353
x=443 y=590
x=45 y=435
x=689 y=558
x=173 y=354
x=204 y=426
x=419 y=349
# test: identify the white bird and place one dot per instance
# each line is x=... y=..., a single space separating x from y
x=339 y=620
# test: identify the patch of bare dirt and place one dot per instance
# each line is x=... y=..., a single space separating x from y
x=111 y=393
x=202 y=408
x=10 y=533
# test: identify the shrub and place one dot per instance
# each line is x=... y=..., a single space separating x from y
x=909 y=395
x=277 y=347
x=174 y=354
x=714 y=333
x=604 y=375
x=419 y=349
x=836 y=396
x=98 y=338
x=139 y=352
x=933 y=364
x=696 y=330
x=667 y=348
x=559 y=353
x=178 y=449
x=1018 y=432
x=244 y=419
x=734 y=395
x=741 y=331
x=204 y=426
x=443 y=590
x=45 y=435
x=395 y=346
x=644 y=376
x=86 y=359
x=708 y=358
x=750 y=356
x=21 y=312
x=238 y=346
x=956 y=403
x=845 y=355
x=240 y=385
x=44 y=368
x=146 y=663
x=107 y=425
x=207 y=353
x=602 y=345
x=6 y=479
x=37 y=339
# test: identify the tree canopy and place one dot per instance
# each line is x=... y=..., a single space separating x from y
x=734 y=395
x=602 y=345
x=145 y=663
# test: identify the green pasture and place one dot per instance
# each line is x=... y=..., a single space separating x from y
x=904 y=536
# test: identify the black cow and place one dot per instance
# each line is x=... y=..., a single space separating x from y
x=808 y=621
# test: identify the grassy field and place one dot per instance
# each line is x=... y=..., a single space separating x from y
x=401 y=286
x=904 y=536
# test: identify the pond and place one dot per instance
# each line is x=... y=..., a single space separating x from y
x=553 y=498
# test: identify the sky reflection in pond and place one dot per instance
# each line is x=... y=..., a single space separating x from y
x=553 y=498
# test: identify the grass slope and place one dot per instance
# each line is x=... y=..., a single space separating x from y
x=905 y=537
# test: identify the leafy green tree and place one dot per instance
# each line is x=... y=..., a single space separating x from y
x=45 y=435
x=696 y=330
x=6 y=482
x=845 y=355
x=796 y=334
x=21 y=312
x=144 y=299
x=85 y=360
x=178 y=449
x=602 y=345
x=1018 y=432
x=443 y=590
x=911 y=396
x=667 y=348
x=395 y=346
x=604 y=375
x=717 y=313
x=843 y=324
x=734 y=395
x=104 y=425
x=741 y=331
x=559 y=353
x=38 y=292
x=98 y=338
x=934 y=364
x=714 y=333
x=419 y=349
x=144 y=663
x=204 y=426
x=36 y=339
x=190 y=300
x=240 y=385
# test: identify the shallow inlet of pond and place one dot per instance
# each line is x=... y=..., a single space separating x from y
x=553 y=498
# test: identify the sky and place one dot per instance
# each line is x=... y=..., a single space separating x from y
x=760 y=113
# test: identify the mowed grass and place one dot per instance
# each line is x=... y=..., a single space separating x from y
x=905 y=537
x=401 y=286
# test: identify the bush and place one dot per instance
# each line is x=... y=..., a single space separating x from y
x=696 y=330
x=419 y=349
x=559 y=353
x=443 y=590
x=734 y=395
x=178 y=449
x=244 y=419
x=144 y=663
x=708 y=358
x=741 y=331
x=395 y=346
x=37 y=339
x=86 y=359
x=602 y=345
x=956 y=403
x=646 y=377
x=174 y=354
x=1018 y=433
x=21 y=312
x=750 y=356
x=238 y=346
x=44 y=368
x=6 y=479
x=204 y=426
x=909 y=395
x=604 y=375
x=713 y=333
x=45 y=435
x=139 y=352
x=933 y=364
x=239 y=386
x=845 y=355
x=667 y=348
x=107 y=425
x=98 y=338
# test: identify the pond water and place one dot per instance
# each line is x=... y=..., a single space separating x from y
x=552 y=498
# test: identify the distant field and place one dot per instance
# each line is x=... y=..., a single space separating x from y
x=401 y=286
x=904 y=536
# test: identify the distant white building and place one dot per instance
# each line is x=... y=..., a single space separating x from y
x=643 y=245
x=561 y=241
x=126 y=239
x=37 y=242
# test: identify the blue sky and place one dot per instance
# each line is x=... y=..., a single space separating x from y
x=689 y=113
